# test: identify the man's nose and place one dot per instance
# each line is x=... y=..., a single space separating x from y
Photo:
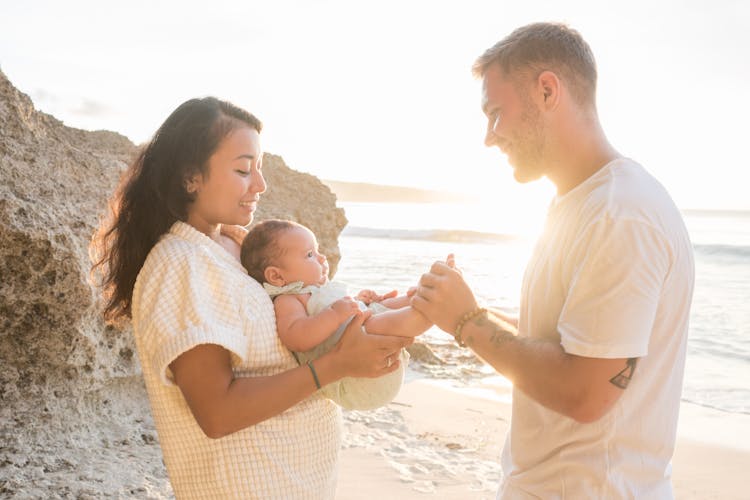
x=490 y=138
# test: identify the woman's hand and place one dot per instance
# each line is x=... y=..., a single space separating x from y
x=359 y=354
x=344 y=308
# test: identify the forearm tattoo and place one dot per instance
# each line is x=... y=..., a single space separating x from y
x=499 y=335
x=622 y=379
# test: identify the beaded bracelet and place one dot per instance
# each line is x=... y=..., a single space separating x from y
x=465 y=319
x=315 y=375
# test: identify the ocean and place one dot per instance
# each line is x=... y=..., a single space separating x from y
x=389 y=245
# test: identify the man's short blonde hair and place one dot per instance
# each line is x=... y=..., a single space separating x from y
x=538 y=47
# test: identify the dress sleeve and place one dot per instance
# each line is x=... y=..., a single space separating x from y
x=186 y=299
x=617 y=273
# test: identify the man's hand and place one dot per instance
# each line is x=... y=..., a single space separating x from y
x=443 y=296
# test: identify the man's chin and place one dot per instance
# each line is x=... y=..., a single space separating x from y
x=528 y=174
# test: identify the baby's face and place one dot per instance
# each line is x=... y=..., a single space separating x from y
x=301 y=260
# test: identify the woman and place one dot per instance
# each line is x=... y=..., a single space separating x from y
x=236 y=416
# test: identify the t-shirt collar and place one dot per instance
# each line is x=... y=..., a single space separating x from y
x=585 y=187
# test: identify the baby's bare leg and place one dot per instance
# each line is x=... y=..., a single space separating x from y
x=404 y=322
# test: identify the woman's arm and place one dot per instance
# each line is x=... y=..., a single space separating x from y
x=300 y=332
x=223 y=404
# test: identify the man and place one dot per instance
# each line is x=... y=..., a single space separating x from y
x=597 y=354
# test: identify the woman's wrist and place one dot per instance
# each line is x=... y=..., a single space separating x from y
x=328 y=368
x=314 y=373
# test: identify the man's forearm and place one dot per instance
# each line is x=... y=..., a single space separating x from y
x=572 y=385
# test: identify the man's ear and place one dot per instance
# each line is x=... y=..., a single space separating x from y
x=548 y=85
x=273 y=275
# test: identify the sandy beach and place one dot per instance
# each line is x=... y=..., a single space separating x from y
x=439 y=439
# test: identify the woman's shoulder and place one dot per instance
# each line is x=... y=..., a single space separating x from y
x=175 y=251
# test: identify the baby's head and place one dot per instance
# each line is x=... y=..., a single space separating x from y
x=280 y=252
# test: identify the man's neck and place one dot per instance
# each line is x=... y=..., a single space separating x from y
x=581 y=152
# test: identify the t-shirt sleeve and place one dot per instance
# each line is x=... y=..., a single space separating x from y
x=618 y=270
x=186 y=300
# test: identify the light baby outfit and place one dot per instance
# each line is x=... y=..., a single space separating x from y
x=191 y=291
x=611 y=277
x=352 y=393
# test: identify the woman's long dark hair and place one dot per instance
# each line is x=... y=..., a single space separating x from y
x=152 y=194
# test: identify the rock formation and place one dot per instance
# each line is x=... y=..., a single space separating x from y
x=74 y=418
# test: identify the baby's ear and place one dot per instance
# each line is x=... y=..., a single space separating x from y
x=272 y=274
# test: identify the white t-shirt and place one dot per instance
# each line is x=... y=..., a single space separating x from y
x=611 y=277
x=191 y=291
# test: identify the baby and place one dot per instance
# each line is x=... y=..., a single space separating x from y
x=312 y=313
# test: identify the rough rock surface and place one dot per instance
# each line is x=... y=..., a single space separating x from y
x=74 y=417
x=421 y=353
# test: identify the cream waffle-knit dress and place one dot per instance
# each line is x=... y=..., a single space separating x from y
x=191 y=291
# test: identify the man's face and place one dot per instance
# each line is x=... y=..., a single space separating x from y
x=514 y=124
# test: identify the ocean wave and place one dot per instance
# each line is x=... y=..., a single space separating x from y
x=716 y=406
x=741 y=251
x=443 y=235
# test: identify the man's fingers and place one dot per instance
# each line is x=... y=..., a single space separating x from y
x=440 y=268
x=426 y=292
x=421 y=305
x=428 y=280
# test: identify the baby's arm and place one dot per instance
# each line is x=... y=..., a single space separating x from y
x=403 y=322
x=300 y=332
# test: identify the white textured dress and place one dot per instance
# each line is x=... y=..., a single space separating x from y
x=191 y=291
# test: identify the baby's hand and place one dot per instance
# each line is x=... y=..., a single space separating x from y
x=368 y=296
x=450 y=261
x=345 y=307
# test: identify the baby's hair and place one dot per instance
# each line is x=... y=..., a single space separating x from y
x=260 y=247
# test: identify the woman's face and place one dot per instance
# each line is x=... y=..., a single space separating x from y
x=229 y=193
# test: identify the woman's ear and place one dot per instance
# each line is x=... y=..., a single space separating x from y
x=192 y=183
x=273 y=275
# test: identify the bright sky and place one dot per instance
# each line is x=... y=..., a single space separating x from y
x=382 y=91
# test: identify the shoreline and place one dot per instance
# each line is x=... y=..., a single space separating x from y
x=440 y=439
